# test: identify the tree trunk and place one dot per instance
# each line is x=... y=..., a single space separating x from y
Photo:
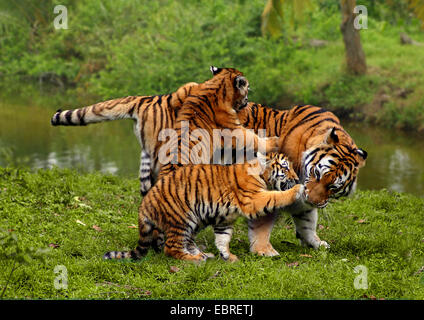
x=355 y=57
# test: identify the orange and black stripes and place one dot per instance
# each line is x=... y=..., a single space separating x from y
x=305 y=128
x=194 y=196
x=324 y=156
x=210 y=106
x=151 y=114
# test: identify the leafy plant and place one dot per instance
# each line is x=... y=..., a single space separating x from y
x=19 y=255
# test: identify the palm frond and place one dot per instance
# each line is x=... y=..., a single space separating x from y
x=275 y=11
x=418 y=7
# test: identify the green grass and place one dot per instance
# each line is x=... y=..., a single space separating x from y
x=377 y=229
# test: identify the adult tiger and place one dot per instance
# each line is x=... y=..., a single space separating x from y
x=324 y=156
x=150 y=113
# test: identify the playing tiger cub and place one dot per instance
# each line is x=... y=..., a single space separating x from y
x=324 y=156
x=195 y=196
x=210 y=109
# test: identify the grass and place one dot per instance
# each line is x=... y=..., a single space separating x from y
x=57 y=209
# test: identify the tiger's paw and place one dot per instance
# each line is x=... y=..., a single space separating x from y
x=264 y=250
x=231 y=257
x=324 y=244
x=316 y=244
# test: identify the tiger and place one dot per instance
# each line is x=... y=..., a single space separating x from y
x=195 y=196
x=208 y=110
x=150 y=114
x=324 y=156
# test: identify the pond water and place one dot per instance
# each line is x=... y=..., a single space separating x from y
x=395 y=161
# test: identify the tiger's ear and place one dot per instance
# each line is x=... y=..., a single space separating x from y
x=331 y=136
x=215 y=70
x=240 y=82
x=363 y=155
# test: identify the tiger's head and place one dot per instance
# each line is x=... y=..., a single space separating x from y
x=278 y=171
x=234 y=80
x=330 y=168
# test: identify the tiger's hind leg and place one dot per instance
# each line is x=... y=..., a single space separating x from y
x=145 y=173
x=223 y=235
x=182 y=246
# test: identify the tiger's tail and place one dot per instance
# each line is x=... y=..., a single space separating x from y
x=135 y=254
x=150 y=236
x=121 y=108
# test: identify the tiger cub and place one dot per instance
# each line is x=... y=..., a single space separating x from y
x=210 y=111
x=195 y=196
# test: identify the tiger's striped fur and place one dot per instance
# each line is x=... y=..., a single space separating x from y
x=195 y=196
x=150 y=114
x=210 y=106
x=324 y=156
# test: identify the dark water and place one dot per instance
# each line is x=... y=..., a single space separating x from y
x=396 y=159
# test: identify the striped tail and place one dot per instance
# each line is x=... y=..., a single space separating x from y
x=135 y=254
x=145 y=173
x=122 y=108
x=150 y=236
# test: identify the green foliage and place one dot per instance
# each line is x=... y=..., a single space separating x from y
x=277 y=12
x=377 y=229
x=349 y=92
x=418 y=7
x=118 y=48
x=12 y=250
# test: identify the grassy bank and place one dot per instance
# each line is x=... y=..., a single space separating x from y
x=77 y=218
x=117 y=48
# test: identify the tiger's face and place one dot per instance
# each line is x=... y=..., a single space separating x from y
x=330 y=169
x=279 y=173
x=239 y=83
